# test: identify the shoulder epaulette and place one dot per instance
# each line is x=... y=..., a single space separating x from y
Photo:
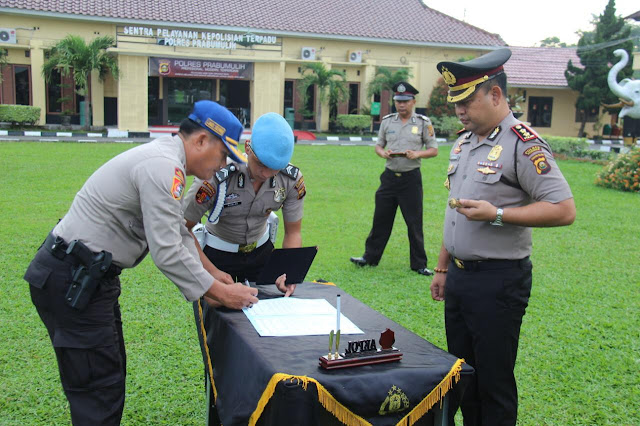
x=224 y=173
x=524 y=133
x=291 y=171
x=390 y=115
x=461 y=131
x=424 y=117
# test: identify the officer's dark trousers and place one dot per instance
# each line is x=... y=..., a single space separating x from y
x=484 y=307
x=404 y=191
x=240 y=266
x=88 y=344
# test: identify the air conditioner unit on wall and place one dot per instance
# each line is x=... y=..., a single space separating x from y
x=308 y=53
x=8 y=35
x=355 y=56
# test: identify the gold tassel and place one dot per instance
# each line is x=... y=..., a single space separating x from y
x=341 y=412
x=206 y=350
x=434 y=396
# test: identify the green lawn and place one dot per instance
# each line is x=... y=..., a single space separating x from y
x=580 y=344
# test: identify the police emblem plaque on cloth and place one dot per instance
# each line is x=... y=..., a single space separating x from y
x=364 y=352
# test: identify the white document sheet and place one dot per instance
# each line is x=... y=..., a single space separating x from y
x=290 y=316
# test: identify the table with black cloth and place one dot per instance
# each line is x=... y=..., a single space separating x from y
x=277 y=380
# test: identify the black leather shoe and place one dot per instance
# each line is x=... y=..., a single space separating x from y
x=424 y=271
x=361 y=261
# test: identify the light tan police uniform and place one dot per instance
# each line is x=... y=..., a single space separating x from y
x=244 y=217
x=412 y=135
x=132 y=205
x=512 y=167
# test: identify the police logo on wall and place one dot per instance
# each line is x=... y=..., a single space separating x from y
x=164 y=68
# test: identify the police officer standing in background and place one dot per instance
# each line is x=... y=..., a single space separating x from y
x=237 y=238
x=502 y=181
x=401 y=139
x=130 y=206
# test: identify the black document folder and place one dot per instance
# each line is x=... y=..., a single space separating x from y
x=295 y=262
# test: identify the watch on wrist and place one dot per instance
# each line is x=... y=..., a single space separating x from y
x=498 y=219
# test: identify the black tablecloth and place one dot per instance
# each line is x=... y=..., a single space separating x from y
x=273 y=379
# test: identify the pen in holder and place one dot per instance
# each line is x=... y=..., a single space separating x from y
x=330 y=355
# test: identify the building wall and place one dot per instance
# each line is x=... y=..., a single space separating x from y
x=563 y=116
x=272 y=65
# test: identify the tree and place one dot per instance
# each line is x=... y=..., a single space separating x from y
x=3 y=60
x=595 y=50
x=72 y=55
x=330 y=84
x=552 y=42
x=385 y=79
x=438 y=104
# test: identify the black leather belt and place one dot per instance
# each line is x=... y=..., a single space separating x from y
x=58 y=248
x=489 y=264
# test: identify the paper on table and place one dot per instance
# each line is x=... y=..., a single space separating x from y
x=290 y=316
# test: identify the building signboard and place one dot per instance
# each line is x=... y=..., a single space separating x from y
x=183 y=67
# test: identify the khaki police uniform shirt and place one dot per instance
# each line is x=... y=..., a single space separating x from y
x=133 y=205
x=244 y=217
x=412 y=135
x=492 y=170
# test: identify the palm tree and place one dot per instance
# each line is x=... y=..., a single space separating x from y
x=3 y=61
x=72 y=55
x=331 y=85
x=385 y=79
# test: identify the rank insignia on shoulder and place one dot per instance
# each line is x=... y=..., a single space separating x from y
x=177 y=187
x=524 y=133
x=224 y=173
x=461 y=131
x=291 y=171
x=390 y=115
x=422 y=116
x=495 y=133
x=302 y=190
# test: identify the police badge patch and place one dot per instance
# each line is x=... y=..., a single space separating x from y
x=540 y=161
x=177 y=187
x=279 y=195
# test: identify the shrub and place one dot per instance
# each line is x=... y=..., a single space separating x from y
x=569 y=146
x=354 y=123
x=622 y=173
x=446 y=126
x=19 y=114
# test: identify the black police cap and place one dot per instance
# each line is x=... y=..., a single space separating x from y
x=403 y=91
x=463 y=77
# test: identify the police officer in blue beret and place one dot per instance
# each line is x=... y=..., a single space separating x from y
x=242 y=199
x=404 y=139
x=502 y=181
x=132 y=205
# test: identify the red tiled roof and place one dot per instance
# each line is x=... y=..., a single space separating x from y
x=539 y=66
x=407 y=20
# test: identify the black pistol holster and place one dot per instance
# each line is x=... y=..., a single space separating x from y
x=91 y=269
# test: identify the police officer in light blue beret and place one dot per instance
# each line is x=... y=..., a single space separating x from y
x=241 y=225
x=132 y=205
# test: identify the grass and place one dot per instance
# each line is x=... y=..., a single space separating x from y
x=580 y=342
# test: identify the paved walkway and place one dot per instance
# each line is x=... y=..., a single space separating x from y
x=119 y=136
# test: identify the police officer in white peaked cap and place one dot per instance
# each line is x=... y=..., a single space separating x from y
x=130 y=206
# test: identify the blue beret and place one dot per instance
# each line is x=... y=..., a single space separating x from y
x=222 y=123
x=272 y=141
